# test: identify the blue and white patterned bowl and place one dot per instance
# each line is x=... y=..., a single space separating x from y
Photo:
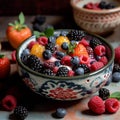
x=67 y=88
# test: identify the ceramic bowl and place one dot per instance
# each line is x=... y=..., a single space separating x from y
x=100 y=22
x=65 y=88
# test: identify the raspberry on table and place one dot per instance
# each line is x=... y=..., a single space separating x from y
x=104 y=93
x=9 y=102
x=96 y=105
x=112 y=105
x=117 y=53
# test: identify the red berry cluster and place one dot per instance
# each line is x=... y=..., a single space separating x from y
x=98 y=106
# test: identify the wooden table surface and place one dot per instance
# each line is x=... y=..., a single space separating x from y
x=42 y=108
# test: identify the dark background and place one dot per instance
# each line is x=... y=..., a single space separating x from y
x=35 y=7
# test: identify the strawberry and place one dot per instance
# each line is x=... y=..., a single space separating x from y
x=80 y=50
x=4 y=67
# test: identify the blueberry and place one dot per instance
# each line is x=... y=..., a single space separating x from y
x=61 y=112
x=116 y=77
x=40 y=19
x=102 y=4
x=36 y=26
x=59 y=55
x=47 y=54
x=65 y=46
x=57 y=63
x=110 y=6
x=51 y=39
x=63 y=33
x=75 y=61
x=79 y=71
x=98 y=57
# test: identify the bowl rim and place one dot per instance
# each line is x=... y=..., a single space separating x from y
x=66 y=78
x=116 y=9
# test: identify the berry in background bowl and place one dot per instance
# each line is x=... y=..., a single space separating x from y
x=67 y=66
x=99 y=17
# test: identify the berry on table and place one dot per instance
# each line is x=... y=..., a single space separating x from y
x=116 y=77
x=60 y=112
x=116 y=67
x=104 y=93
x=96 y=105
x=112 y=105
x=9 y=102
x=20 y=112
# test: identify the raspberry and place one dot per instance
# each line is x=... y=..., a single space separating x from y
x=100 y=50
x=104 y=93
x=31 y=44
x=66 y=60
x=96 y=104
x=42 y=40
x=117 y=53
x=84 y=59
x=71 y=73
x=13 y=56
x=104 y=60
x=112 y=105
x=84 y=42
x=9 y=102
x=96 y=65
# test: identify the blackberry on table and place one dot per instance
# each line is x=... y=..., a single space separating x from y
x=76 y=35
x=104 y=93
x=50 y=46
x=20 y=112
x=116 y=68
x=48 y=72
x=62 y=71
x=34 y=63
x=94 y=42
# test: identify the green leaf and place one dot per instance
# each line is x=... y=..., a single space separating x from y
x=71 y=48
x=38 y=34
x=10 y=24
x=1 y=56
x=49 y=32
x=21 y=18
x=115 y=95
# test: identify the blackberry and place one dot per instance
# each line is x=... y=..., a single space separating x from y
x=102 y=5
x=62 y=71
x=49 y=65
x=48 y=72
x=85 y=67
x=116 y=68
x=20 y=112
x=104 y=93
x=50 y=46
x=34 y=63
x=94 y=42
x=76 y=35
x=90 y=52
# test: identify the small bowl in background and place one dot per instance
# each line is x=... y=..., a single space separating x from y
x=65 y=88
x=99 y=22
